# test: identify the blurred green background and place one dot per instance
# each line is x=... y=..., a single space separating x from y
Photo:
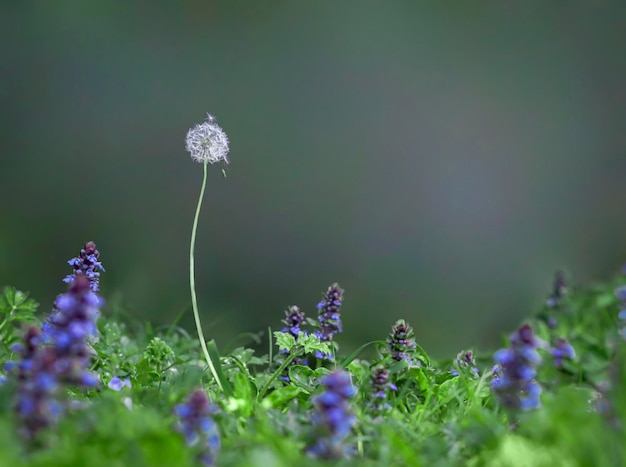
x=440 y=161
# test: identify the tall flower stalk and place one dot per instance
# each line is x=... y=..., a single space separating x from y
x=401 y=341
x=206 y=143
x=380 y=388
x=333 y=420
x=516 y=367
x=198 y=427
x=86 y=264
x=46 y=367
x=329 y=317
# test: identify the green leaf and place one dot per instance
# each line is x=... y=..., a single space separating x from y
x=305 y=377
x=312 y=343
x=245 y=391
x=346 y=361
x=24 y=317
x=215 y=357
x=422 y=355
x=309 y=342
x=285 y=342
x=280 y=397
x=8 y=296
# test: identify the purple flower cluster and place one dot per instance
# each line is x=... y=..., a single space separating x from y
x=62 y=359
x=559 y=289
x=197 y=426
x=70 y=328
x=401 y=341
x=620 y=293
x=562 y=350
x=329 y=317
x=381 y=386
x=37 y=405
x=293 y=320
x=332 y=418
x=465 y=359
x=87 y=264
x=514 y=379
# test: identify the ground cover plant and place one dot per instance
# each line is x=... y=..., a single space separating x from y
x=83 y=387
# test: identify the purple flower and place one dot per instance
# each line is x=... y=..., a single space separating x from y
x=197 y=426
x=332 y=418
x=56 y=356
x=401 y=341
x=329 y=317
x=379 y=381
x=36 y=403
x=514 y=380
x=562 y=350
x=293 y=320
x=559 y=289
x=117 y=384
x=87 y=264
x=69 y=330
x=465 y=360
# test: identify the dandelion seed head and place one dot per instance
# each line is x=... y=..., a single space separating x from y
x=207 y=142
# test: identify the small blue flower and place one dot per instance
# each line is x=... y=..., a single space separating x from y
x=514 y=377
x=562 y=350
x=117 y=384
x=197 y=426
x=332 y=418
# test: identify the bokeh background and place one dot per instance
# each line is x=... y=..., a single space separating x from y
x=439 y=161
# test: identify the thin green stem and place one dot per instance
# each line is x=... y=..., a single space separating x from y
x=279 y=371
x=192 y=283
x=9 y=315
x=5 y=321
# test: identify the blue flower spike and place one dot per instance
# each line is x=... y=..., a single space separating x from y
x=332 y=418
x=198 y=427
x=329 y=317
x=401 y=341
x=514 y=377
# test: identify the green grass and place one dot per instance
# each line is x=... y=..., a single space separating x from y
x=435 y=418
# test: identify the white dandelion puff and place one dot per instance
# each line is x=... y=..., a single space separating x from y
x=207 y=142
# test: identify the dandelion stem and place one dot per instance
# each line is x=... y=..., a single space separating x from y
x=192 y=283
